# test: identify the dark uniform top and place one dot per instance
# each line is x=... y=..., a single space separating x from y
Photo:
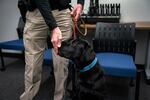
x=46 y=6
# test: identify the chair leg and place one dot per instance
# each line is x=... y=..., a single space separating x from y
x=132 y=83
x=2 y=61
x=137 y=87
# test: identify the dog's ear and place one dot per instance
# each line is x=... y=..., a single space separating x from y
x=77 y=52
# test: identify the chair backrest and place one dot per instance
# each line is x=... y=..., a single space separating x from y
x=20 y=28
x=115 y=37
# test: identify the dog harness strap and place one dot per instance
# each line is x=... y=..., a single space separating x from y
x=88 y=67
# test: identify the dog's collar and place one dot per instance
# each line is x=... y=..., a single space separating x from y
x=88 y=67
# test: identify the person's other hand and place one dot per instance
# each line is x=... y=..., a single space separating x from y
x=56 y=38
x=76 y=12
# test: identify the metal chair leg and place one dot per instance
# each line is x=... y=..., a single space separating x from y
x=137 y=87
x=2 y=61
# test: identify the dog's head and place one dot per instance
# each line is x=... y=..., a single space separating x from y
x=78 y=50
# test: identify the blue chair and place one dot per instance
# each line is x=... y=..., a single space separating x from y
x=115 y=47
x=11 y=45
x=18 y=45
x=48 y=57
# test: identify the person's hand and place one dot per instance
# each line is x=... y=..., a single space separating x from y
x=76 y=12
x=56 y=38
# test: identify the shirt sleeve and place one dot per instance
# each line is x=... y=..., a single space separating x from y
x=45 y=9
x=81 y=2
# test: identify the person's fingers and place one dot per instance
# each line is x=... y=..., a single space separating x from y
x=55 y=46
x=59 y=43
x=56 y=43
x=56 y=38
x=76 y=13
x=59 y=40
x=77 y=17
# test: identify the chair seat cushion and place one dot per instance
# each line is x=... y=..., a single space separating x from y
x=48 y=57
x=116 y=64
x=13 y=45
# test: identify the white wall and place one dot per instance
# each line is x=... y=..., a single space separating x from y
x=131 y=10
x=9 y=15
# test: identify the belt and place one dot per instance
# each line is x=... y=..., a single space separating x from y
x=62 y=8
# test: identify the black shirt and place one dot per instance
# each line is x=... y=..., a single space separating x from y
x=46 y=6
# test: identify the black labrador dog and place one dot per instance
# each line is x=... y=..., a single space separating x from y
x=89 y=81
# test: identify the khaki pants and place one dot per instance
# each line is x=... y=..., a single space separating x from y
x=35 y=35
